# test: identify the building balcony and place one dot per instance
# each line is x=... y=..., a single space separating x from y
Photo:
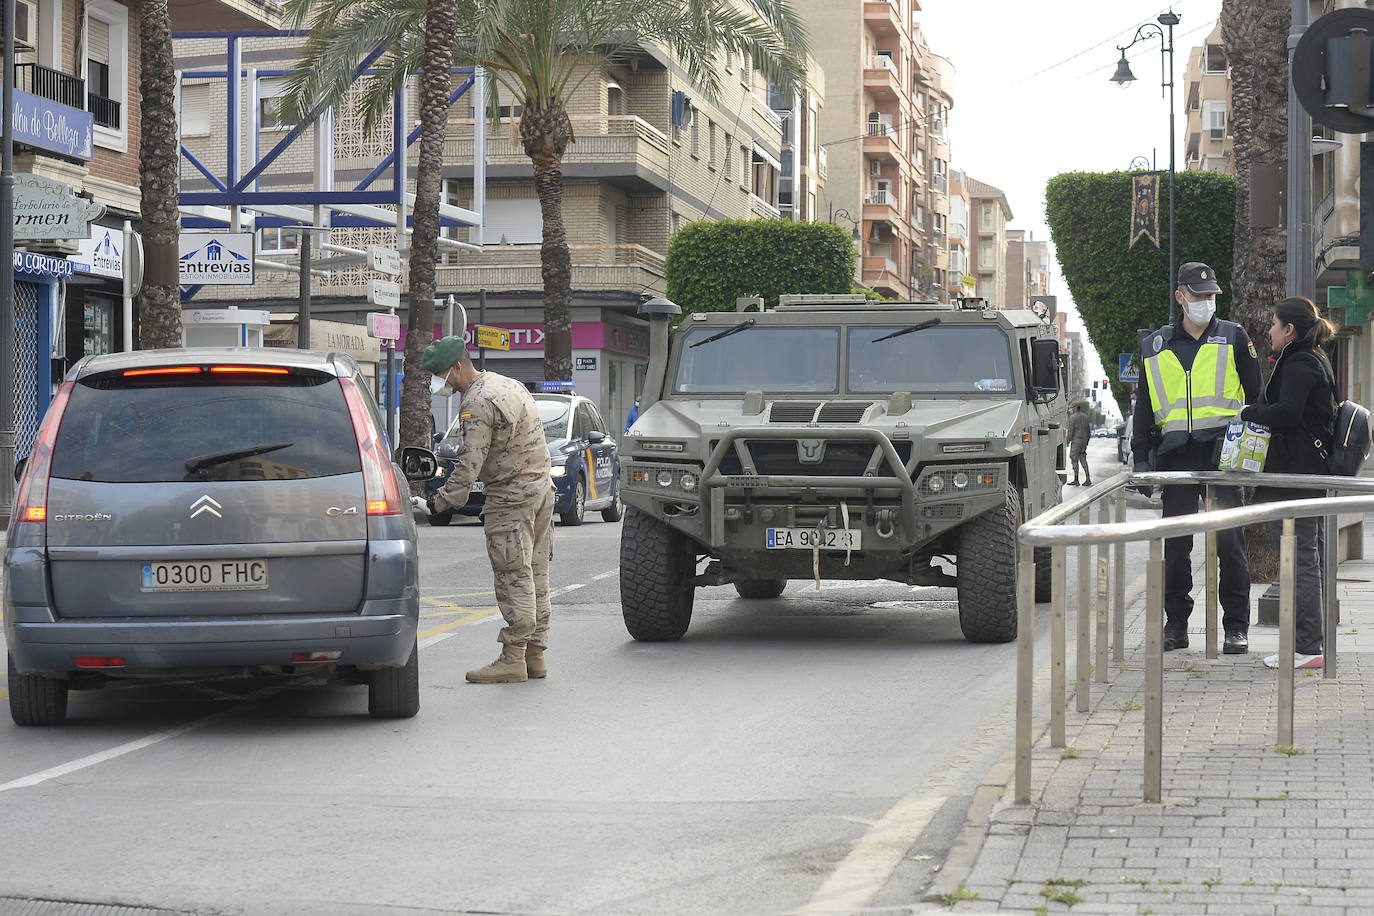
x=105 y=111
x=823 y=162
x=882 y=139
x=883 y=16
x=940 y=204
x=594 y=267
x=881 y=76
x=881 y=205
x=50 y=84
x=881 y=274
x=624 y=150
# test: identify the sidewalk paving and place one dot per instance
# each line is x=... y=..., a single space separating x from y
x=1245 y=827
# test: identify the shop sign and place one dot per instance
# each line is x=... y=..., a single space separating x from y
x=490 y=338
x=101 y=255
x=52 y=126
x=26 y=262
x=47 y=209
x=216 y=258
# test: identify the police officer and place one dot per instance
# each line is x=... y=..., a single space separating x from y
x=503 y=446
x=1198 y=374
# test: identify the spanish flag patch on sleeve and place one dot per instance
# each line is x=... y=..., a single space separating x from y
x=468 y=416
x=1253 y=354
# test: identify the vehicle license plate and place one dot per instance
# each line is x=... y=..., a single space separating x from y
x=809 y=538
x=204 y=576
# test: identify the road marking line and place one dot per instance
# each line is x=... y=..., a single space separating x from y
x=129 y=747
x=567 y=588
x=607 y=574
x=862 y=873
x=432 y=635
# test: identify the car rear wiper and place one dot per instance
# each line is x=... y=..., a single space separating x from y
x=928 y=323
x=207 y=461
x=743 y=325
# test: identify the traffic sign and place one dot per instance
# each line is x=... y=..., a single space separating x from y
x=384 y=293
x=383 y=326
x=489 y=338
x=384 y=260
x=1129 y=364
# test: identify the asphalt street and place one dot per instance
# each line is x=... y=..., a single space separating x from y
x=813 y=753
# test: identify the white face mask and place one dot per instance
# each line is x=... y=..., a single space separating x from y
x=1201 y=311
x=439 y=385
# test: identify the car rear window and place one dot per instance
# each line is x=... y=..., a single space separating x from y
x=200 y=427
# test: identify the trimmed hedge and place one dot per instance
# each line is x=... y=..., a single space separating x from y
x=1117 y=290
x=710 y=264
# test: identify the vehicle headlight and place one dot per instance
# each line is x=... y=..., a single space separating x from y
x=558 y=470
x=689 y=482
x=665 y=478
x=960 y=480
x=936 y=483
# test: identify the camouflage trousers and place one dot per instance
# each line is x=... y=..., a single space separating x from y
x=520 y=545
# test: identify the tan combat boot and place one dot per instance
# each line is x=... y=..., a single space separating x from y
x=508 y=669
x=534 y=662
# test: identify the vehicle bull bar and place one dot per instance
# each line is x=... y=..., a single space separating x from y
x=714 y=483
x=1110 y=538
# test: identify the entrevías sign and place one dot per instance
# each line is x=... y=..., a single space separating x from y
x=216 y=259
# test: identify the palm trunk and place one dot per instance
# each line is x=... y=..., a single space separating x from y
x=435 y=86
x=1254 y=33
x=546 y=134
x=159 y=305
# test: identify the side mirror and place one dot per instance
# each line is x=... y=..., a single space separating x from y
x=19 y=468
x=1045 y=360
x=419 y=463
x=438 y=437
x=596 y=437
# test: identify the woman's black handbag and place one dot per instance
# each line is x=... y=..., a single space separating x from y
x=1348 y=447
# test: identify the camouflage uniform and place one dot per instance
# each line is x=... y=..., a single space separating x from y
x=504 y=447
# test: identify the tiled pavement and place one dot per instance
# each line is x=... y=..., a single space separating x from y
x=1246 y=827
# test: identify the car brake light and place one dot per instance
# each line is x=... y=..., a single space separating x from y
x=253 y=370
x=379 y=484
x=31 y=501
x=168 y=370
x=318 y=655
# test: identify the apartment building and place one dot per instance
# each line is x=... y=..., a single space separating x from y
x=885 y=137
x=652 y=153
x=961 y=280
x=1208 y=143
x=991 y=213
x=1028 y=269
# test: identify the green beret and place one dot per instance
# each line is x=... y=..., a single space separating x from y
x=443 y=354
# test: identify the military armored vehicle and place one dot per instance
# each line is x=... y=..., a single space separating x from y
x=837 y=438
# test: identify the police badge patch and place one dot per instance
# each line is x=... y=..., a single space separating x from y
x=1253 y=354
x=1158 y=342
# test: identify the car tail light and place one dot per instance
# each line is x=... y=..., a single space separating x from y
x=99 y=661
x=165 y=370
x=251 y=370
x=317 y=656
x=379 y=485
x=31 y=501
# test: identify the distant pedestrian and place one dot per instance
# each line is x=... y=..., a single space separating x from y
x=1198 y=373
x=1080 y=431
x=503 y=446
x=1298 y=405
x=633 y=415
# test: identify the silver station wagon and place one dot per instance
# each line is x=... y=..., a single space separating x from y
x=210 y=513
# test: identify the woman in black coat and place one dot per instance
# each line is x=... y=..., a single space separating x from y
x=1299 y=406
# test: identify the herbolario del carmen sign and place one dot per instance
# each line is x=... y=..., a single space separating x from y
x=216 y=259
x=47 y=209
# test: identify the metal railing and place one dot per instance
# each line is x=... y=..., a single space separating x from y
x=50 y=84
x=1110 y=535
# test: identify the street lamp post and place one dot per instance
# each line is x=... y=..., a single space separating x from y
x=1124 y=77
x=7 y=348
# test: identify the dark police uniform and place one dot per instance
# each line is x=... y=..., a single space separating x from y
x=1183 y=430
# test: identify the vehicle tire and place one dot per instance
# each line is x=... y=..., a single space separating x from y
x=578 y=509
x=394 y=693
x=760 y=588
x=36 y=700
x=986 y=575
x=615 y=511
x=441 y=519
x=1044 y=581
x=656 y=569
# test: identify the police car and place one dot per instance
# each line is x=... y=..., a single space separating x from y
x=586 y=464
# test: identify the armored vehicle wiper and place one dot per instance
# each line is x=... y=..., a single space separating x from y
x=206 y=461
x=928 y=323
x=743 y=325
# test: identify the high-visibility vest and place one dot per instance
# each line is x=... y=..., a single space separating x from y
x=1199 y=401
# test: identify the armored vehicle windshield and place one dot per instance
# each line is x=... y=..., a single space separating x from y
x=934 y=360
x=791 y=360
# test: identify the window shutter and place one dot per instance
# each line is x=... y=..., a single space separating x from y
x=98 y=41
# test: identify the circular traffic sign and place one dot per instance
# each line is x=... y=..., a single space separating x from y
x=1309 y=69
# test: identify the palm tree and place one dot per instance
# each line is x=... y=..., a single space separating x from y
x=159 y=307
x=1254 y=34
x=538 y=53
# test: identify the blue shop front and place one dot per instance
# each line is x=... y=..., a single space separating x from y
x=38 y=340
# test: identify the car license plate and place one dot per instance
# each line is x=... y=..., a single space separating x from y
x=810 y=538
x=204 y=576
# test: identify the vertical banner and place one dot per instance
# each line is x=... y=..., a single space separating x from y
x=1144 y=207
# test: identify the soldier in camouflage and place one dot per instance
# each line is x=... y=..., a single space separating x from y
x=503 y=446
